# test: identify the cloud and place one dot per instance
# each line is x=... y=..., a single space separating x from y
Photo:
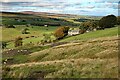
x=103 y=1
x=92 y=7
x=18 y=0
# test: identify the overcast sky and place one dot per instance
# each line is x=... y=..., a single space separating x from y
x=79 y=7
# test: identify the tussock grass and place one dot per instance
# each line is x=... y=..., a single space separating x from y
x=96 y=58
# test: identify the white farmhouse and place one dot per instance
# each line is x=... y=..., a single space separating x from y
x=73 y=32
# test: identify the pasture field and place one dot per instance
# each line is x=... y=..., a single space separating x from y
x=94 y=34
x=11 y=33
x=89 y=55
x=36 y=34
x=89 y=59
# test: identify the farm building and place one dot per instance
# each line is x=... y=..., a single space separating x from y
x=73 y=32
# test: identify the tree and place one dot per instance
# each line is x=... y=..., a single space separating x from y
x=107 y=21
x=89 y=25
x=61 y=32
x=18 y=41
x=66 y=29
x=118 y=20
x=25 y=31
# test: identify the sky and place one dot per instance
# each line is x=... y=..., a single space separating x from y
x=78 y=7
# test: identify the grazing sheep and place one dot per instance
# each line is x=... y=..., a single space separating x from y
x=5 y=62
x=25 y=50
x=87 y=31
x=18 y=51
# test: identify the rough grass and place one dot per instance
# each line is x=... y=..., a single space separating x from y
x=97 y=58
x=93 y=35
x=77 y=68
x=88 y=49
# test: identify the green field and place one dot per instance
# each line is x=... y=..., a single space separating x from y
x=12 y=33
x=84 y=59
x=93 y=35
x=89 y=55
x=9 y=34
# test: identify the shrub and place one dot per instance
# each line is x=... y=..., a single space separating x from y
x=4 y=44
x=48 y=38
x=27 y=25
x=18 y=41
x=9 y=26
x=107 y=21
x=25 y=31
x=61 y=32
x=42 y=42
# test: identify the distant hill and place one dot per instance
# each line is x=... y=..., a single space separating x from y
x=49 y=14
x=33 y=18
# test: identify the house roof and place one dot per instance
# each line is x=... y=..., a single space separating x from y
x=73 y=30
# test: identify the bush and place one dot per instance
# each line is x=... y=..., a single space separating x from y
x=25 y=31
x=9 y=26
x=4 y=44
x=27 y=25
x=61 y=32
x=107 y=21
x=47 y=37
x=18 y=41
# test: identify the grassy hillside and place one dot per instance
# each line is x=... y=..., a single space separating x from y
x=97 y=58
x=89 y=55
x=95 y=34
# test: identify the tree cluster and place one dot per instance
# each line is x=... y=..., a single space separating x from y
x=61 y=32
x=118 y=20
x=88 y=25
x=108 y=21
